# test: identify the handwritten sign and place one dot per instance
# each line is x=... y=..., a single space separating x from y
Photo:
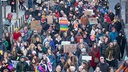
x=35 y=25
x=87 y=58
x=65 y=43
x=93 y=21
x=49 y=19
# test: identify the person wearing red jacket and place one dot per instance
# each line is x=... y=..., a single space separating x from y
x=57 y=14
x=107 y=18
x=16 y=34
x=95 y=53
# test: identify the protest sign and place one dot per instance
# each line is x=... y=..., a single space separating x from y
x=89 y=12
x=87 y=58
x=35 y=25
x=49 y=19
x=70 y=48
x=93 y=21
x=63 y=24
x=65 y=42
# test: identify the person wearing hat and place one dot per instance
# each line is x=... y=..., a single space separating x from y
x=124 y=66
x=34 y=36
x=16 y=34
x=22 y=66
x=104 y=67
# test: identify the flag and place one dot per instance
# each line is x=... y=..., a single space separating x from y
x=63 y=24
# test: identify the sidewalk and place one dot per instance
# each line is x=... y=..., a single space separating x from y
x=14 y=20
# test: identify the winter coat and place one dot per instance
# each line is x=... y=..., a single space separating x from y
x=95 y=53
x=104 y=67
x=84 y=20
x=118 y=26
x=111 y=15
x=99 y=35
x=22 y=66
x=16 y=35
x=113 y=36
x=80 y=58
x=105 y=25
x=110 y=53
x=2 y=48
x=107 y=19
x=117 y=48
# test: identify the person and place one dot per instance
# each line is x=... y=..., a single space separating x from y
x=121 y=40
x=2 y=47
x=117 y=9
x=58 y=68
x=95 y=53
x=22 y=65
x=113 y=35
x=83 y=53
x=124 y=66
x=111 y=69
x=72 y=69
x=7 y=38
x=97 y=69
x=111 y=15
x=30 y=4
x=34 y=36
x=5 y=43
x=16 y=34
x=13 y=5
x=110 y=55
x=103 y=66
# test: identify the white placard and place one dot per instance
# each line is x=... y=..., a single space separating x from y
x=65 y=43
x=87 y=58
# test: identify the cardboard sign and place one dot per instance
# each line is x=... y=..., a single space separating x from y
x=88 y=12
x=35 y=25
x=87 y=58
x=49 y=19
x=93 y=21
x=70 y=48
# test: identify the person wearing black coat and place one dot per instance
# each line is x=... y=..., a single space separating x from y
x=22 y=66
x=111 y=15
x=13 y=5
x=121 y=40
x=117 y=9
x=104 y=67
x=118 y=25
x=105 y=25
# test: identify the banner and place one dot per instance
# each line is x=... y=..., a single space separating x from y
x=63 y=24
x=93 y=21
x=35 y=25
x=70 y=48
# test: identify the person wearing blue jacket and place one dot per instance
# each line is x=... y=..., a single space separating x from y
x=113 y=35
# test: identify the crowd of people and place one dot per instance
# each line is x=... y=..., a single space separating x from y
x=28 y=50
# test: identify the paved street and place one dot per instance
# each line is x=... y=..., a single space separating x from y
x=8 y=10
